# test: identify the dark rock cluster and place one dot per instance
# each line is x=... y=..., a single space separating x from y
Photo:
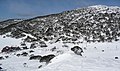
x=8 y=49
x=46 y=58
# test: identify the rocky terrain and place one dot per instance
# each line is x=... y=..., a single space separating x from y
x=91 y=23
x=90 y=34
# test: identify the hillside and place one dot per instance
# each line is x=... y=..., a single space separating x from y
x=94 y=23
x=45 y=43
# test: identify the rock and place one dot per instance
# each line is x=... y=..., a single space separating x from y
x=103 y=50
x=25 y=47
x=31 y=51
x=42 y=44
x=45 y=39
x=53 y=49
x=1 y=58
x=23 y=44
x=25 y=64
x=32 y=46
x=40 y=66
x=77 y=50
x=1 y=68
x=4 y=36
x=8 y=49
x=47 y=58
x=116 y=57
x=38 y=57
x=24 y=54
x=18 y=55
x=6 y=56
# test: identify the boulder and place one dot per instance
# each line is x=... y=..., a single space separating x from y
x=6 y=56
x=31 y=51
x=8 y=49
x=40 y=66
x=37 y=57
x=42 y=44
x=77 y=50
x=18 y=55
x=1 y=58
x=1 y=68
x=47 y=58
x=24 y=47
x=32 y=46
x=23 y=44
x=24 y=54
x=116 y=57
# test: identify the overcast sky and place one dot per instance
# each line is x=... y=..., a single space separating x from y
x=32 y=8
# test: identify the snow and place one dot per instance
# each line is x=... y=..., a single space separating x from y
x=96 y=57
x=72 y=62
x=8 y=42
x=93 y=58
x=103 y=7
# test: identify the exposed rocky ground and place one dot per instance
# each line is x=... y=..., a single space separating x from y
x=94 y=23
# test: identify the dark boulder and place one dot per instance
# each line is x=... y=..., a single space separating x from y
x=116 y=57
x=24 y=47
x=18 y=55
x=31 y=51
x=24 y=54
x=42 y=44
x=23 y=44
x=8 y=49
x=40 y=66
x=6 y=56
x=1 y=68
x=77 y=50
x=37 y=57
x=47 y=58
x=32 y=46
x=1 y=58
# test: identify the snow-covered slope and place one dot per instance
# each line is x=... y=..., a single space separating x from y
x=96 y=57
x=96 y=29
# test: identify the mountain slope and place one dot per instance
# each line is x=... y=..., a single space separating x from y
x=96 y=23
x=44 y=43
x=8 y=22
